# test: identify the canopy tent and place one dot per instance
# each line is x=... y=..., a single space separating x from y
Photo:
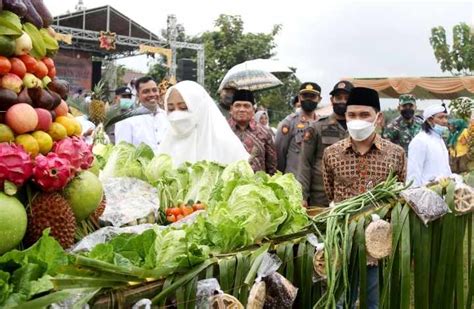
x=421 y=87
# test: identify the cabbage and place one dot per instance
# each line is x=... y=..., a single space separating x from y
x=158 y=167
x=125 y=160
x=251 y=213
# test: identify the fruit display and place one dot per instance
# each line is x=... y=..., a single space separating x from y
x=41 y=148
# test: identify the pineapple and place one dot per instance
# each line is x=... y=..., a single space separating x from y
x=97 y=108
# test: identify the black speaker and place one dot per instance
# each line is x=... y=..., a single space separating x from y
x=186 y=70
x=96 y=72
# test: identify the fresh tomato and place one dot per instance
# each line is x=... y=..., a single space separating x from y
x=179 y=217
x=171 y=218
x=5 y=65
x=168 y=211
x=176 y=211
x=186 y=210
x=199 y=207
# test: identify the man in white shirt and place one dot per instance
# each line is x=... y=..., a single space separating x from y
x=149 y=128
x=428 y=157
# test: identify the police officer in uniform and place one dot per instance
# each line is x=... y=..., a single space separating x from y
x=290 y=132
x=317 y=137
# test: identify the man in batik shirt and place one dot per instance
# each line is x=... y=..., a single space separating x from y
x=357 y=163
x=256 y=139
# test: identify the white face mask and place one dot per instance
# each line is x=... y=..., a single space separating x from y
x=360 y=130
x=182 y=122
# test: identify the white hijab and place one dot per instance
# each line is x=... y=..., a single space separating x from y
x=211 y=139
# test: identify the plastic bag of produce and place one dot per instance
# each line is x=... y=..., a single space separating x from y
x=427 y=204
x=258 y=293
x=107 y=233
x=280 y=293
x=129 y=201
x=205 y=290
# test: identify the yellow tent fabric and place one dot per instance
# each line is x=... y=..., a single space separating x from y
x=421 y=87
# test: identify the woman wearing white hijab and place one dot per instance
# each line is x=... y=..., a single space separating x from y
x=262 y=118
x=198 y=131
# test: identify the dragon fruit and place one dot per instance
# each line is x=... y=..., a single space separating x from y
x=52 y=172
x=15 y=164
x=76 y=150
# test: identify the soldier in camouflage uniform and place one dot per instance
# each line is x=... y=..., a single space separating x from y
x=290 y=132
x=404 y=128
x=318 y=136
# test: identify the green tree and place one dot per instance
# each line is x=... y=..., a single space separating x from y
x=458 y=58
x=228 y=45
x=278 y=100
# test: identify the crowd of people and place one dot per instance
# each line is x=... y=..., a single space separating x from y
x=333 y=157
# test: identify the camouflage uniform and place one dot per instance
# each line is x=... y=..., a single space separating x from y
x=318 y=137
x=288 y=140
x=401 y=131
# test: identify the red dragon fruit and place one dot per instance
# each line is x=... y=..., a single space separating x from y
x=76 y=150
x=52 y=172
x=15 y=164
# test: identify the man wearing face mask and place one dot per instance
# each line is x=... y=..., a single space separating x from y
x=404 y=128
x=148 y=128
x=290 y=132
x=122 y=101
x=428 y=157
x=355 y=164
x=225 y=101
x=317 y=137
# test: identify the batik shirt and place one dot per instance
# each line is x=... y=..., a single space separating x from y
x=347 y=173
x=258 y=142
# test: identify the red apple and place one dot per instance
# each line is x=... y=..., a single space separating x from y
x=41 y=70
x=45 y=119
x=52 y=73
x=5 y=65
x=21 y=118
x=49 y=62
x=18 y=67
x=29 y=62
x=62 y=109
x=12 y=82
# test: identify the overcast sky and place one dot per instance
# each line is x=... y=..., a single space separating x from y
x=324 y=40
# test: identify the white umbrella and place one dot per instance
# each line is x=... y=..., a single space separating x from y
x=253 y=80
x=269 y=65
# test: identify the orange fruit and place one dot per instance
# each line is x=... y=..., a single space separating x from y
x=68 y=123
x=78 y=128
x=45 y=141
x=29 y=143
x=6 y=134
x=57 y=131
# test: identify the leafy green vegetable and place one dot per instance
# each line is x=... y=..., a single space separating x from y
x=245 y=211
x=288 y=190
x=163 y=251
x=203 y=177
x=25 y=274
x=125 y=160
x=158 y=167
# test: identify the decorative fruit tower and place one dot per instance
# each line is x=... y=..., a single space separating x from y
x=43 y=158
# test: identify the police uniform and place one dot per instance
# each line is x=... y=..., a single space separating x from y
x=317 y=137
x=290 y=134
